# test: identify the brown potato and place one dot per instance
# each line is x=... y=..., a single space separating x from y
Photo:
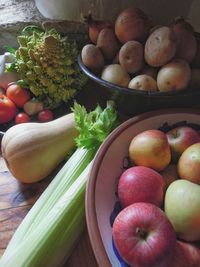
x=116 y=59
x=108 y=43
x=143 y=82
x=186 y=45
x=131 y=56
x=173 y=76
x=114 y=73
x=151 y=71
x=160 y=47
x=92 y=58
x=186 y=41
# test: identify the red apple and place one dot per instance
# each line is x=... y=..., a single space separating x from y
x=181 y=138
x=141 y=184
x=143 y=236
x=150 y=148
x=189 y=164
x=186 y=255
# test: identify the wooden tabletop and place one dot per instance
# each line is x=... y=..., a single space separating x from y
x=15 y=201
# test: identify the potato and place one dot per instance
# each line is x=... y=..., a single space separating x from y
x=151 y=71
x=116 y=59
x=186 y=41
x=131 y=56
x=186 y=45
x=160 y=47
x=195 y=79
x=114 y=73
x=108 y=43
x=143 y=82
x=173 y=76
x=92 y=58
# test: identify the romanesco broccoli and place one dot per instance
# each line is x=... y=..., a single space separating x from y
x=47 y=65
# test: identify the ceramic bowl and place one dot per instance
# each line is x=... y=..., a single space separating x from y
x=109 y=163
x=132 y=101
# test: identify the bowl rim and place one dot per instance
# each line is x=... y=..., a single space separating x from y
x=91 y=217
x=126 y=90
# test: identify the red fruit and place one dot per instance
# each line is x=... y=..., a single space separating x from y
x=141 y=184
x=45 y=115
x=143 y=236
x=150 y=148
x=17 y=94
x=189 y=164
x=8 y=109
x=181 y=138
x=186 y=255
x=21 y=118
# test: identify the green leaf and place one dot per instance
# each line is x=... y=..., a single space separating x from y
x=10 y=49
x=28 y=30
x=21 y=83
x=94 y=126
x=11 y=67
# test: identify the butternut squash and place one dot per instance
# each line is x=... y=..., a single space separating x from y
x=33 y=150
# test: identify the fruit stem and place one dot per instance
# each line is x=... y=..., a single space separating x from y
x=141 y=233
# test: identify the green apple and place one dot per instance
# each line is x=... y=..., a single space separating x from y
x=182 y=207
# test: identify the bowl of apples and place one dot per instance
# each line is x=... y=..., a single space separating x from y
x=143 y=193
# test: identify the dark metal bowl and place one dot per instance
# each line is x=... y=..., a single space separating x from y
x=133 y=101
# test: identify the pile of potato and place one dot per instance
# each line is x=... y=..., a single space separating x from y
x=136 y=54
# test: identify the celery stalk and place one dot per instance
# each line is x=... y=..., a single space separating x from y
x=57 y=218
x=39 y=246
x=72 y=169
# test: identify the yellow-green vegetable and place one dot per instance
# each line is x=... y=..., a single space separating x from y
x=47 y=65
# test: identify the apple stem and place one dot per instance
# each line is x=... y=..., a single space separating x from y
x=141 y=233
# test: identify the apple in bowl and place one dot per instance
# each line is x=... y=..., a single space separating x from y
x=189 y=164
x=141 y=184
x=151 y=149
x=182 y=207
x=109 y=164
x=144 y=236
x=186 y=255
x=180 y=138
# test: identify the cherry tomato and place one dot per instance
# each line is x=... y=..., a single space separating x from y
x=17 y=94
x=8 y=109
x=45 y=115
x=21 y=118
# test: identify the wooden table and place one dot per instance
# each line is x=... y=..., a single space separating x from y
x=15 y=201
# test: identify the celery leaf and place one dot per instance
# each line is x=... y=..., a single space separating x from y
x=94 y=126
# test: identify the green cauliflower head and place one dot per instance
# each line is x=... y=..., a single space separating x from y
x=47 y=65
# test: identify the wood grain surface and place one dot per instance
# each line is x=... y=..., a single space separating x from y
x=16 y=200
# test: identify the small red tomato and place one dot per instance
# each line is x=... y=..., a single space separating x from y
x=17 y=94
x=21 y=118
x=45 y=115
x=8 y=109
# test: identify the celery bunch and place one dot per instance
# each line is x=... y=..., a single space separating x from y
x=52 y=227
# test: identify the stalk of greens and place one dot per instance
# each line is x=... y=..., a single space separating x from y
x=50 y=230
